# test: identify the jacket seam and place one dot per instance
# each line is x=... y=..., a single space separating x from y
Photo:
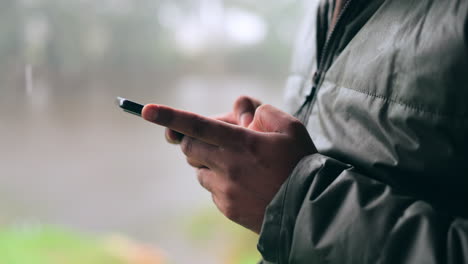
x=410 y=106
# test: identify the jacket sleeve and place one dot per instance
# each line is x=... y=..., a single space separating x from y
x=326 y=212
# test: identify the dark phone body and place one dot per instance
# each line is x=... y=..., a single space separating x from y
x=129 y=106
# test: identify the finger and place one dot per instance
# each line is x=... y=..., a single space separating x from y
x=201 y=153
x=173 y=137
x=206 y=178
x=270 y=119
x=195 y=163
x=244 y=110
x=228 y=118
x=241 y=208
x=215 y=184
x=206 y=129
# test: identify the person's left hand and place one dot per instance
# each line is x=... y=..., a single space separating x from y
x=243 y=168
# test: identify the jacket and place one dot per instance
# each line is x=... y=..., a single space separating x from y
x=384 y=96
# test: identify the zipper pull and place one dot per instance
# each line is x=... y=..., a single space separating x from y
x=316 y=78
x=310 y=95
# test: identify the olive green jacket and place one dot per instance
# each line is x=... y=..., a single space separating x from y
x=384 y=96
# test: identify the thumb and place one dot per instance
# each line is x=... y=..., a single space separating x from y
x=244 y=110
x=270 y=119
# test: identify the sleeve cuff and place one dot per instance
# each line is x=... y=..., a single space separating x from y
x=280 y=216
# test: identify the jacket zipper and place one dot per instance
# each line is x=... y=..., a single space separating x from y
x=319 y=73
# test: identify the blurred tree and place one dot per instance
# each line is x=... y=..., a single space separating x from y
x=11 y=43
x=11 y=28
x=81 y=36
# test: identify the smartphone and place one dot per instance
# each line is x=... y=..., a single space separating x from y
x=129 y=106
x=136 y=108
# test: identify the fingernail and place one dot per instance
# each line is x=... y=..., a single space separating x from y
x=245 y=119
x=151 y=114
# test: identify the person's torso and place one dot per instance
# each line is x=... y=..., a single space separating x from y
x=392 y=99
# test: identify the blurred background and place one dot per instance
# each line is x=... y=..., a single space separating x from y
x=83 y=182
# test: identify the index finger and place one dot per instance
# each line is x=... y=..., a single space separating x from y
x=206 y=129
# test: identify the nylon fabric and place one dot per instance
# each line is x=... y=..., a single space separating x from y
x=390 y=121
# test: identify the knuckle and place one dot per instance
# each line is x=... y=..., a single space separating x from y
x=190 y=161
x=167 y=133
x=242 y=100
x=230 y=211
x=245 y=104
x=171 y=136
x=262 y=108
x=193 y=163
x=187 y=146
x=201 y=178
x=295 y=125
x=262 y=112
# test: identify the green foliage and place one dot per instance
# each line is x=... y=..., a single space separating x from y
x=47 y=245
x=207 y=227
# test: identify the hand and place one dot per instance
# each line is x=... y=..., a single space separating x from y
x=242 y=115
x=243 y=168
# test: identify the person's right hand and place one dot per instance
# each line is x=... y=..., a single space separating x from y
x=242 y=115
x=242 y=167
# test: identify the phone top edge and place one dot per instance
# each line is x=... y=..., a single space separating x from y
x=119 y=101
